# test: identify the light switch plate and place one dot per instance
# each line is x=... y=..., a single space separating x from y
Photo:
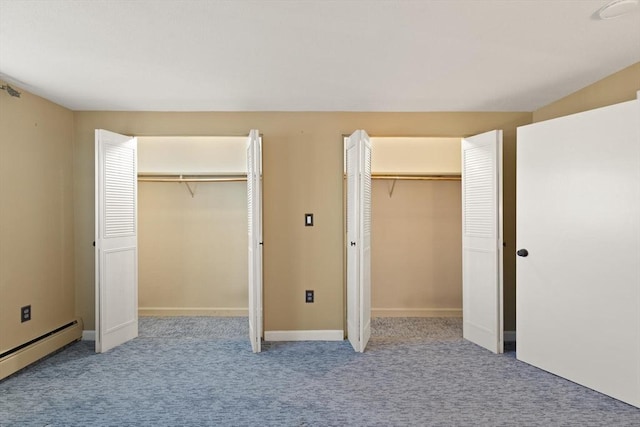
x=308 y=220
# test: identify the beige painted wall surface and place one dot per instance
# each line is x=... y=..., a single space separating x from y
x=36 y=217
x=618 y=87
x=416 y=255
x=192 y=155
x=438 y=156
x=302 y=163
x=192 y=250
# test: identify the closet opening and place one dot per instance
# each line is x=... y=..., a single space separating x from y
x=416 y=252
x=416 y=248
x=192 y=225
x=432 y=250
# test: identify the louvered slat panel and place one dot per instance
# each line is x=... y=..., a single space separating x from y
x=366 y=195
x=250 y=183
x=351 y=176
x=120 y=191
x=479 y=193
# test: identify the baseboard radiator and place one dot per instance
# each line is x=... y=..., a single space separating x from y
x=22 y=356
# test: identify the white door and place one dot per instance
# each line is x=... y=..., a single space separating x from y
x=116 y=239
x=578 y=218
x=358 y=169
x=254 y=207
x=482 y=240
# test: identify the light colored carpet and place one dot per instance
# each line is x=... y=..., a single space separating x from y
x=201 y=372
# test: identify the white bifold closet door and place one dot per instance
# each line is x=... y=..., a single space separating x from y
x=578 y=218
x=116 y=245
x=254 y=207
x=482 y=240
x=358 y=170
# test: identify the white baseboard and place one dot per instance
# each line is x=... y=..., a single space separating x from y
x=193 y=311
x=88 y=335
x=509 y=336
x=316 y=335
x=416 y=312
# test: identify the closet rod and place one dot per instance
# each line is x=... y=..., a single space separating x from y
x=192 y=179
x=418 y=177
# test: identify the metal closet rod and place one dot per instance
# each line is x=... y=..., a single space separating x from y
x=414 y=177
x=192 y=178
x=236 y=178
x=417 y=177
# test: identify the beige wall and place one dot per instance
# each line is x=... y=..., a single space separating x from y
x=192 y=155
x=36 y=217
x=303 y=159
x=416 y=255
x=437 y=156
x=416 y=266
x=192 y=248
x=192 y=256
x=618 y=87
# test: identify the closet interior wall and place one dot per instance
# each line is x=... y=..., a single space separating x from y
x=192 y=231
x=416 y=259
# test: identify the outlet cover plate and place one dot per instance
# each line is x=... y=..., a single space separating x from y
x=308 y=296
x=25 y=313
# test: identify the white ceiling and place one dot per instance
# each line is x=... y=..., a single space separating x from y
x=311 y=55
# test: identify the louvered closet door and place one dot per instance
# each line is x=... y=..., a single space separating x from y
x=358 y=169
x=116 y=240
x=254 y=208
x=482 y=282
x=365 y=240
